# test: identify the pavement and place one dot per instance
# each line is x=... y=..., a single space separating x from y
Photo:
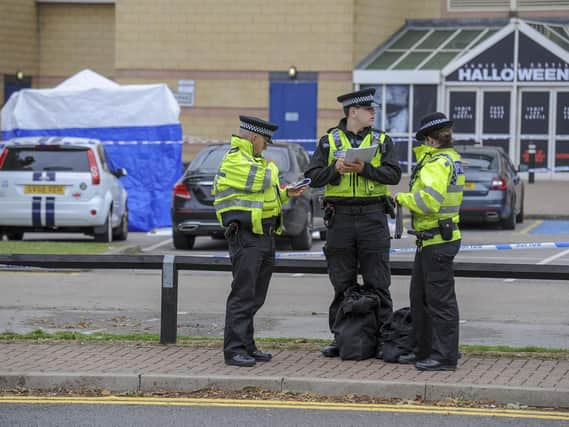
x=121 y=367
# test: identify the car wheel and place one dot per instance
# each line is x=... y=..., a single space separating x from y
x=183 y=241
x=303 y=242
x=509 y=223
x=107 y=235
x=121 y=233
x=15 y=235
x=520 y=216
x=323 y=235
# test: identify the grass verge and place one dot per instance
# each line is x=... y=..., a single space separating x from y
x=274 y=343
x=52 y=247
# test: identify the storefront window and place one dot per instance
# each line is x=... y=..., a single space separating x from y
x=397 y=108
x=502 y=143
x=540 y=152
x=424 y=102
x=463 y=111
x=562 y=153
x=496 y=117
x=535 y=113
x=562 y=113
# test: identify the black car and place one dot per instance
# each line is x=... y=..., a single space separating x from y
x=494 y=192
x=193 y=213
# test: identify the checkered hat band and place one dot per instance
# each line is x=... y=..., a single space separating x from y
x=433 y=123
x=257 y=129
x=357 y=100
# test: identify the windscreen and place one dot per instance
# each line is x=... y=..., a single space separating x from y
x=46 y=158
x=208 y=160
x=479 y=161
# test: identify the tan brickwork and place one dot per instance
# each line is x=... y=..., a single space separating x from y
x=235 y=35
x=76 y=36
x=18 y=39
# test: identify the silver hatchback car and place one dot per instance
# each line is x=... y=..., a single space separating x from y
x=62 y=185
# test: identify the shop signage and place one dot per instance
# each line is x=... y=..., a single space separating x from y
x=496 y=64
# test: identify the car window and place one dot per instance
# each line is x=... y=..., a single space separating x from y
x=479 y=161
x=208 y=160
x=46 y=158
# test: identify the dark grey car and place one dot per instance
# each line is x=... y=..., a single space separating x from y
x=494 y=192
x=192 y=203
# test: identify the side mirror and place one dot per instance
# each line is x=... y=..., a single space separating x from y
x=523 y=168
x=120 y=172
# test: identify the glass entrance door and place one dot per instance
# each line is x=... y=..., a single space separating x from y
x=534 y=126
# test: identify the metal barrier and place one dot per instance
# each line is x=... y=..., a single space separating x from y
x=170 y=265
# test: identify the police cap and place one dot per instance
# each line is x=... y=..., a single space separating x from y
x=360 y=98
x=259 y=126
x=430 y=123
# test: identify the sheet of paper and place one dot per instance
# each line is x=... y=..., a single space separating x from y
x=364 y=154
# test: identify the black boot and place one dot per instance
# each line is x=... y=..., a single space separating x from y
x=331 y=350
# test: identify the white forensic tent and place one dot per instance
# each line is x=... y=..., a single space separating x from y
x=139 y=125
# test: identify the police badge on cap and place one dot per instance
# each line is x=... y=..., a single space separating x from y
x=256 y=125
x=361 y=98
x=430 y=123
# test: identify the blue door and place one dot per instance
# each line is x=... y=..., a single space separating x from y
x=293 y=106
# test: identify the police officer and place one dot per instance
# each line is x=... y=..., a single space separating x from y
x=355 y=200
x=248 y=202
x=434 y=200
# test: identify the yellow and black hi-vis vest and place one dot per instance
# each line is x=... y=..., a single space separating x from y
x=249 y=185
x=352 y=184
x=436 y=189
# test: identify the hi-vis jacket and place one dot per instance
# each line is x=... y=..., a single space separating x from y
x=436 y=189
x=352 y=184
x=246 y=188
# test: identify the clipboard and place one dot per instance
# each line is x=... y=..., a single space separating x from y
x=363 y=154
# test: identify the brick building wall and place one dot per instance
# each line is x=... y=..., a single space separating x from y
x=18 y=39
x=73 y=37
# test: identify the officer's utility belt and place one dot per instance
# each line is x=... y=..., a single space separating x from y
x=445 y=230
x=359 y=209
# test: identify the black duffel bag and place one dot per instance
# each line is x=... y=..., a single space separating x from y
x=397 y=335
x=357 y=324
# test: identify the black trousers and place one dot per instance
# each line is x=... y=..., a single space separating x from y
x=252 y=259
x=359 y=238
x=434 y=308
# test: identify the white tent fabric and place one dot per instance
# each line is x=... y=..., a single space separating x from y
x=88 y=100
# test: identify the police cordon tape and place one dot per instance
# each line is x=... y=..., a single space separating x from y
x=498 y=247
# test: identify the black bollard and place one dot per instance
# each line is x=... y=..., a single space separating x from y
x=169 y=313
x=531 y=165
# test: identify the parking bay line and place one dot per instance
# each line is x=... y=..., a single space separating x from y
x=553 y=257
x=531 y=226
x=156 y=246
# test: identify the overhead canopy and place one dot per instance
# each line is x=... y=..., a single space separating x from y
x=138 y=123
x=426 y=51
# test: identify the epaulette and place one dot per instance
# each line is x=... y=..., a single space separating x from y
x=234 y=150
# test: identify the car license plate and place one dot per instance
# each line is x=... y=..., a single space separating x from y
x=469 y=185
x=44 y=189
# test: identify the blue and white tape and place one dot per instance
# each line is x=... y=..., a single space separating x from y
x=463 y=248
